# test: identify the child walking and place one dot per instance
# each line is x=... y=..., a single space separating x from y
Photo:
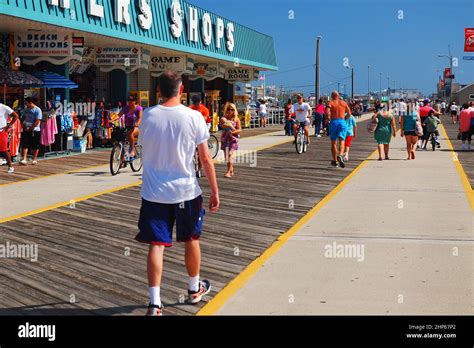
x=351 y=134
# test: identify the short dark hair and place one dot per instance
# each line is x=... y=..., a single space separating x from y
x=169 y=83
x=29 y=100
x=196 y=99
x=132 y=97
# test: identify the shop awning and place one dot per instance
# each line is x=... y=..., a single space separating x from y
x=53 y=80
x=13 y=78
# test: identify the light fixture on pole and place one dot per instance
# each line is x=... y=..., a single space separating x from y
x=368 y=87
x=352 y=80
x=316 y=84
x=450 y=57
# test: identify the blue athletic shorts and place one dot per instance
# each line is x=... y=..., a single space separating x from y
x=157 y=220
x=337 y=129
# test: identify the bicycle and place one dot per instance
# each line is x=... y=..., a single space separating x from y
x=213 y=145
x=120 y=155
x=301 y=143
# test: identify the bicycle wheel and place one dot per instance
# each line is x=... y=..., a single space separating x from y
x=137 y=163
x=196 y=165
x=213 y=144
x=116 y=159
x=299 y=143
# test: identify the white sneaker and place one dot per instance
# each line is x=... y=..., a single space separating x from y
x=346 y=158
x=10 y=170
x=319 y=135
x=4 y=161
x=23 y=163
x=34 y=163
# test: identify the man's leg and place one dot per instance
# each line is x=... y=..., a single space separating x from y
x=306 y=133
x=334 y=150
x=25 y=153
x=192 y=258
x=295 y=130
x=386 y=148
x=342 y=146
x=155 y=270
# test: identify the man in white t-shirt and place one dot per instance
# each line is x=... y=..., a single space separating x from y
x=302 y=116
x=454 y=111
x=402 y=110
x=169 y=135
x=5 y=112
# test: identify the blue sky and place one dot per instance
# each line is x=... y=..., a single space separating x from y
x=368 y=32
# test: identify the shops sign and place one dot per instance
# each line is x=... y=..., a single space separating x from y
x=239 y=74
x=43 y=44
x=204 y=27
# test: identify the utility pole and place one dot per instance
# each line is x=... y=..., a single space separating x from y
x=380 y=91
x=368 y=87
x=316 y=87
x=388 y=87
x=352 y=87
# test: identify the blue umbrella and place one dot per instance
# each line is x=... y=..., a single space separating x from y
x=53 y=80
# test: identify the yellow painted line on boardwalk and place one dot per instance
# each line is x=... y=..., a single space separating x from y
x=238 y=282
x=462 y=174
x=52 y=175
x=62 y=204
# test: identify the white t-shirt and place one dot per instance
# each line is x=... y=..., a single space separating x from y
x=402 y=107
x=454 y=108
x=301 y=112
x=5 y=111
x=263 y=109
x=169 y=136
x=443 y=105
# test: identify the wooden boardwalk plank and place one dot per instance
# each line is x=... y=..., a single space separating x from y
x=465 y=157
x=82 y=251
x=96 y=157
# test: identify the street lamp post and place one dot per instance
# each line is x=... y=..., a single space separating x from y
x=450 y=57
x=388 y=87
x=352 y=80
x=380 y=90
x=317 y=92
x=368 y=87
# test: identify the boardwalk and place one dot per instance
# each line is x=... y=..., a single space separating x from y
x=466 y=158
x=80 y=162
x=87 y=254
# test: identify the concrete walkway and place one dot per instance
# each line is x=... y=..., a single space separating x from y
x=397 y=239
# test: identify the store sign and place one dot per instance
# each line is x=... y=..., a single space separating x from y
x=206 y=69
x=166 y=62
x=77 y=42
x=43 y=44
x=203 y=27
x=85 y=62
x=124 y=56
x=239 y=74
x=469 y=40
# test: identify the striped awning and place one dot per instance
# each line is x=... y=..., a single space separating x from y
x=53 y=80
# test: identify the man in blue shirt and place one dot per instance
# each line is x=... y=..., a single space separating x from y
x=31 y=131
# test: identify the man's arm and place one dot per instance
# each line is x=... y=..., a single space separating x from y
x=210 y=171
x=14 y=117
x=348 y=111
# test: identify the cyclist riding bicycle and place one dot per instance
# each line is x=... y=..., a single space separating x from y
x=302 y=112
x=133 y=117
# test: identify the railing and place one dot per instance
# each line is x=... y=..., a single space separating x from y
x=274 y=116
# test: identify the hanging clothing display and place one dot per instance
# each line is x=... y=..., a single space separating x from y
x=48 y=130
x=15 y=136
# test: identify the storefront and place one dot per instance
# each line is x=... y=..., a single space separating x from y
x=111 y=48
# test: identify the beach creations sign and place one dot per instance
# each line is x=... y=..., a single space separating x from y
x=43 y=44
